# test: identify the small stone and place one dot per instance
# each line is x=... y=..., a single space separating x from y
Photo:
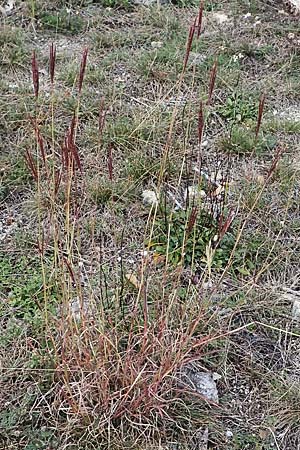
x=156 y=44
x=260 y=179
x=296 y=310
x=204 y=383
x=207 y=285
x=229 y=434
x=197 y=58
x=149 y=198
x=220 y=18
x=194 y=193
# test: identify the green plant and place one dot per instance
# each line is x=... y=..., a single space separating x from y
x=118 y=4
x=141 y=167
x=185 y=3
x=128 y=133
x=284 y=125
x=166 y=58
x=14 y=175
x=162 y=20
x=211 y=5
x=239 y=108
x=95 y=75
x=22 y=285
x=244 y=441
x=251 y=51
x=242 y=141
x=61 y=22
x=177 y=238
x=285 y=178
x=13 y=51
x=250 y=254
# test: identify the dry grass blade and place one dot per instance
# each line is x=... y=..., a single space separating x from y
x=52 y=62
x=82 y=69
x=102 y=116
x=189 y=44
x=70 y=145
x=274 y=164
x=200 y=18
x=200 y=123
x=260 y=114
x=212 y=81
x=35 y=74
x=110 y=162
x=31 y=165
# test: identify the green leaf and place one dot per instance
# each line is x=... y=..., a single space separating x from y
x=243 y=271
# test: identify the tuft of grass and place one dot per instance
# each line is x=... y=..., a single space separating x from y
x=182 y=242
x=242 y=141
x=164 y=62
x=13 y=176
x=116 y=325
x=185 y=3
x=13 y=47
x=117 y=4
x=104 y=191
x=260 y=53
x=282 y=125
x=61 y=22
x=95 y=75
x=22 y=285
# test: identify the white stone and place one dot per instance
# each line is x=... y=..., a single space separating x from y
x=149 y=198
x=156 y=44
x=296 y=310
x=194 y=193
x=220 y=18
x=204 y=383
x=229 y=434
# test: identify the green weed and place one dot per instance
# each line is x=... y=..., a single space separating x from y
x=13 y=50
x=173 y=237
x=239 y=108
x=61 y=22
x=282 y=125
x=118 y=4
x=166 y=58
x=22 y=285
x=14 y=175
x=242 y=142
x=260 y=53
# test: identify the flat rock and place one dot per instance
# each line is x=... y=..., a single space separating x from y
x=204 y=383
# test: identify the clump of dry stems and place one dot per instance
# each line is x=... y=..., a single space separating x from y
x=116 y=366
